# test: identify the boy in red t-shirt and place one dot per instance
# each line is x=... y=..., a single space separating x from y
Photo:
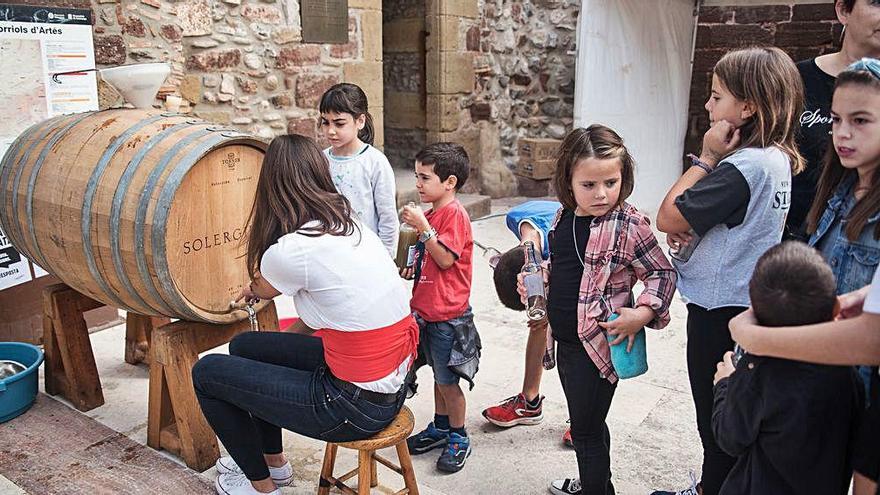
x=441 y=296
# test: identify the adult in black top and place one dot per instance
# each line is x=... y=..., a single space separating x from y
x=565 y=277
x=860 y=19
x=790 y=425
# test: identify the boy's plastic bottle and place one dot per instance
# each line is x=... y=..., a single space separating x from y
x=629 y=364
x=406 y=244
x=533 y=278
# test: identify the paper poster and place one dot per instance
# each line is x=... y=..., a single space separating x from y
x=14 y=268
x=48 y=61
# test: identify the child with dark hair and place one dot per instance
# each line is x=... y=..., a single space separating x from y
x=530 y=222
x=441 y=298
x=789 y=424
x=359 y=170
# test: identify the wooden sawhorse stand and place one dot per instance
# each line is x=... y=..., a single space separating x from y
x=70 y=363
x=175 y=421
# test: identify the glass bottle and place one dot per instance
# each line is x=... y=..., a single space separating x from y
x=406 y=244
x=533 y=279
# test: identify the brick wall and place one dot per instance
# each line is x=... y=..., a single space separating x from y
x=803 y=31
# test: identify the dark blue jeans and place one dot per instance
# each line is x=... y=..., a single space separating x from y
x=274 y=380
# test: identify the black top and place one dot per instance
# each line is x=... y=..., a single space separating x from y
x=813 y=139
x=720 y=197
x=566 y=272
x=790 y=424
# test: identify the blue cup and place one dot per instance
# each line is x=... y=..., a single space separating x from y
x=629 y=364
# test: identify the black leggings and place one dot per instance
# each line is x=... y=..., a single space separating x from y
x=708 y=340
x=589 y=397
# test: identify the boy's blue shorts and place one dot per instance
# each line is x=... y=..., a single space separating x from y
x=437 y=339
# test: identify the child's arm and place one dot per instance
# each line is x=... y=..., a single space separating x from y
x=528 y=232
x=386 y=205
x=850 y=342
x=654 y=270
x=737 y=412
x=718 y=141
x=442 y=255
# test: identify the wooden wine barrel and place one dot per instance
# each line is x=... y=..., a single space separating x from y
x=140 y=210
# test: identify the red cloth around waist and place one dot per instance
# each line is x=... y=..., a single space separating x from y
x=369 y=355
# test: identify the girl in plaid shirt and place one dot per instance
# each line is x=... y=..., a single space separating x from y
x=600 y=246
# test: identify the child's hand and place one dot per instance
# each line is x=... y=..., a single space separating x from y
x=414 y=216
x=851 y=303
x=521 y=286
x=679 y=240
x=407 y=273
x=725 y=367
x=719 y=140
x=627 y=324
x=743 y=328
x=538 y=325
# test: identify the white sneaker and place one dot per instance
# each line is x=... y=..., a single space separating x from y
x=694 y=489
x=568 y=486
x=282 y=476
x=238 y=484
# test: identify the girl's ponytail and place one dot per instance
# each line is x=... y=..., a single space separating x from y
x=368 y=133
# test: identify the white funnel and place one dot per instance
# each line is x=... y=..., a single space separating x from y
x=138 y=83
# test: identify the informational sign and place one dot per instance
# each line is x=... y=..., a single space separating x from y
x=324 y=21
x=14 y=268
x=47 y=62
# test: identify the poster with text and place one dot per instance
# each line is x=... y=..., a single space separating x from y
x=48 y=60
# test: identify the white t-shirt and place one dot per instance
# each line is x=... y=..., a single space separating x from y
x=367 y=180
x=872 y=301
x=346 y=283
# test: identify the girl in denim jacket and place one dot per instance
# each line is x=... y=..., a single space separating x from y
x=843 y=221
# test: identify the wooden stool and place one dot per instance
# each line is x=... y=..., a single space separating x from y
x=393 y=435
x=70 y=363
x=174 y=419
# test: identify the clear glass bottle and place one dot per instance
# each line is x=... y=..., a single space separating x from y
x=406 y=243
x=533 y=278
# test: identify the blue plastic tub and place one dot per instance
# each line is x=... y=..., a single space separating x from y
x=17 y=392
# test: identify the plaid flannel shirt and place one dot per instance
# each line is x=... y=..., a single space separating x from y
x=621 y=250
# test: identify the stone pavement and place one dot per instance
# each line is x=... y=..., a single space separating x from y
x=654 y=438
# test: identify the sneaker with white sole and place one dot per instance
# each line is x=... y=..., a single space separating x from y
x=238 y=484
x=568 y=486
x=694 y=489
x=282 y=476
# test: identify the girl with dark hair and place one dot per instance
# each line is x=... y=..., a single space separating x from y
x=845 y=218
x=340 y=383
x=600 y=246
x=860 y=19
x=360 y=172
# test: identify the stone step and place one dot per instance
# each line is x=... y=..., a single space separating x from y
x=477 y=205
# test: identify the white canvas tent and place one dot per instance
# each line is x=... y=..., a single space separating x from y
x=633 y=74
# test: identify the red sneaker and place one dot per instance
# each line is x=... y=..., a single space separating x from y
x=515 y=411
x=566 y=438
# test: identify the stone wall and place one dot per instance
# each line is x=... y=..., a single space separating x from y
x=404 y=57
x=525 y=69
x=240 y=62
x=803 y=31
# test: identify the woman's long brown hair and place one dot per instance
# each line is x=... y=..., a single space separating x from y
x=833 y=173
x=294 y=189
x=767 y=78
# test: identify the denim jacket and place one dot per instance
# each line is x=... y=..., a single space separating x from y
x=853 y=263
